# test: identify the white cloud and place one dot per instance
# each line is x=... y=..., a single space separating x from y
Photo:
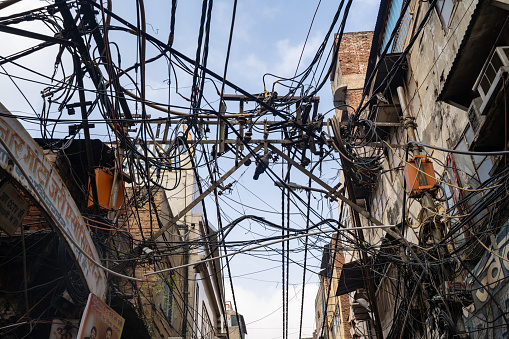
x=281 y=59
x=263 y=313
x=289 y=54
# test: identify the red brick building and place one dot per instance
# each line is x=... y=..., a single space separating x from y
x=347 y=83
x=351 y=65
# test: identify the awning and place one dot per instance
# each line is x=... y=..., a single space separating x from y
x=351 y=278
x=487 y=28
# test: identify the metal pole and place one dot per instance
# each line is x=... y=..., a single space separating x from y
x=186 y=284
x=203 y=195
x=86 y=131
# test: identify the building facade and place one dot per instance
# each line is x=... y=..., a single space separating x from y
x=55 y=228
x=187 y=302
x=236 y=324
x=416 y=149
x=332 y=312
x=347 y=81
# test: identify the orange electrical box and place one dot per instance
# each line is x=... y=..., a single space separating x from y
x=104 y=182
x=412 y=179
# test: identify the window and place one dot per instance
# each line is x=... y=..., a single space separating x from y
x=398 y=43
x=206 y=325
x=467 y=171
x=392 y=18
x=445 y=9
x=490 y=74
x=197 y=303
x=168 y=300
x=336 y=322
x=400 y=38
x=452 y=196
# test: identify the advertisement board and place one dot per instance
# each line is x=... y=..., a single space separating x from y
x=56 y=199
x=13 y=208
x=99 y=321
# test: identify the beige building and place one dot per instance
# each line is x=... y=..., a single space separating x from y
x=236 y=323
x=332 y=311
x=436 y=74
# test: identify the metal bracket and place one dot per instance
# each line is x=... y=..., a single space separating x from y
x=202 y=196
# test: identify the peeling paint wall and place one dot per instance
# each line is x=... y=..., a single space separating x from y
x=437 y=123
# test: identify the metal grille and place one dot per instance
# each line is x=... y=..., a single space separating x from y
x=400 y=38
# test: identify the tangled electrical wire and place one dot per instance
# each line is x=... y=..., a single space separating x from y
x=168 y=156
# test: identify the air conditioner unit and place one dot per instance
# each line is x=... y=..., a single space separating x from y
x=490 y=79
x=474 y=115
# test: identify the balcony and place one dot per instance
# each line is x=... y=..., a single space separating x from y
x=487 y=113
x=488 y=28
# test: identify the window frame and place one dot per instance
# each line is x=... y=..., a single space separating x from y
x=168 y=299
x=439 y=12
x=207 y=331
x=336 y=321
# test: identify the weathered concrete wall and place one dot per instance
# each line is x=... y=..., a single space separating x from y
x=438 y=123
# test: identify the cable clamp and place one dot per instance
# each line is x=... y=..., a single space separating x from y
x=333 y=194
x=409 y=122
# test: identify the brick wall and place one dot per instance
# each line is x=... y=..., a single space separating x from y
x=350 y=70
x=344 y=300
x=353 y=58
x=353 y=98
x=150 y=290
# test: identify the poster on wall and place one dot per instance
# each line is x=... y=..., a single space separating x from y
x=64 y=329
x=99 y=321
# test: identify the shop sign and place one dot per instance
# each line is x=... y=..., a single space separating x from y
x=51 y=193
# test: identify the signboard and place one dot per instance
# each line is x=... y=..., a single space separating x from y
x=64 y=329
x=484 y=318
x=455 y=286
x=13 y=208
x=57 y=200
x=100 y=321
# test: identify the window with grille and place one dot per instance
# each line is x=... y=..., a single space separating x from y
x=398 y=43
x=168 y=300
x=498 y=59
x=336 y=322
